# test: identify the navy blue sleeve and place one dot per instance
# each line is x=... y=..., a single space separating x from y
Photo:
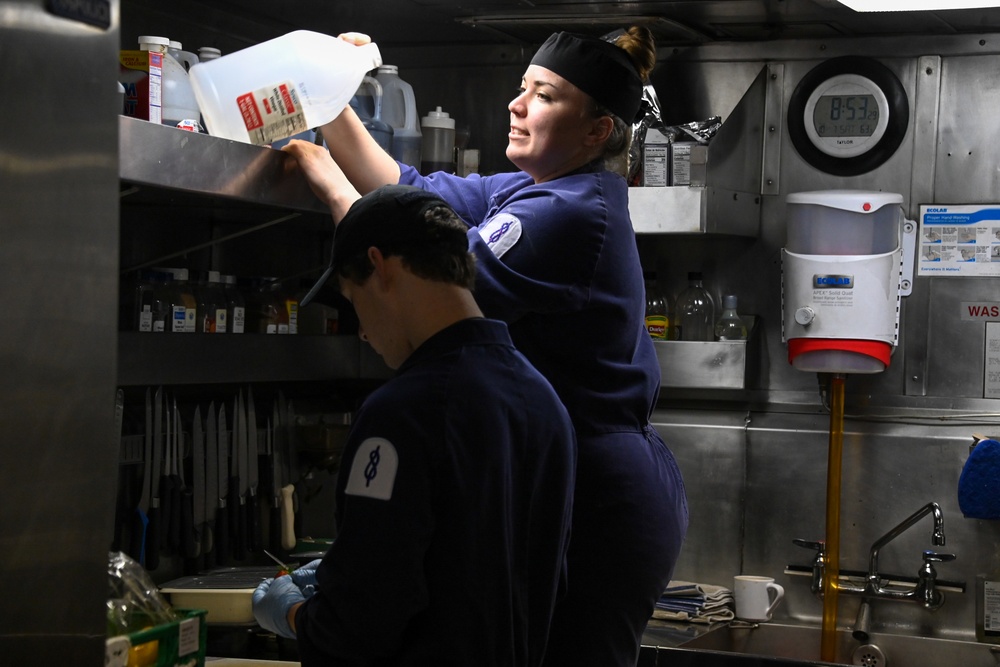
x=371 y=581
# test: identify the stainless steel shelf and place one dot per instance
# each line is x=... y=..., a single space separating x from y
x=709 y=364
x=165 y=157
x=147 y=359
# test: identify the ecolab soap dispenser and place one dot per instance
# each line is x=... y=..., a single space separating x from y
x=840 y=282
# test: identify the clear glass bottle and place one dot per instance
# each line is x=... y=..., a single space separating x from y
x=730 y=325
x=694 y=314
x=657 y=309
x=236 y=307
x=212 y=316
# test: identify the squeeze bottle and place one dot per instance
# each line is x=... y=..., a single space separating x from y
x=437 y=149
x=280 y=87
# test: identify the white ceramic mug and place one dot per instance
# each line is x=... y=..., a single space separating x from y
x=753 y=597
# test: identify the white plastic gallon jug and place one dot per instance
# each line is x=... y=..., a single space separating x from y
x=399 y=109
x=180 y=107
x=373 y=121
x=178 y=101
x=280 y=87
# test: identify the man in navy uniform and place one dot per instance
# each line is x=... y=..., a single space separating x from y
x=455 y=494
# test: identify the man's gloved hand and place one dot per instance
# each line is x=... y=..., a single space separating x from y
x=272 y=601
x=305 y=577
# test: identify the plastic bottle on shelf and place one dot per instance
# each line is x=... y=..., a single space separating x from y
x=183 y=305
x=399 y=110
x=657 y=310
x=152 y=302
x=730 y=326
x=178 y=102
x=437 y=146
x=694 y=314
x=281 y=87
x=236 y=307
x=206 y=53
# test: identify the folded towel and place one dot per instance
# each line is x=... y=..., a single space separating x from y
x=694 y=603
x=979 y=483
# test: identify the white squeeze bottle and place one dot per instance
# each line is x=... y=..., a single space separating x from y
x=280 y=87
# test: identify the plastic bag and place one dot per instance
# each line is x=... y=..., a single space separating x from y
x=134 y=601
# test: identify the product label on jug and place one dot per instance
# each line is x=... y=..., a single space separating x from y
x=272 y=113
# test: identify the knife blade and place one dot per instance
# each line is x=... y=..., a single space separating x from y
x=222 y=545
x=210 y=498
x=274 y=447
x=154 y=530
x=197 y=481
x=253 y=511
x=140 y=520
x=173 y=499
x=237 y=481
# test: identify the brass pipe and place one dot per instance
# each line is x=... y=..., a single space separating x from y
x=831 y=574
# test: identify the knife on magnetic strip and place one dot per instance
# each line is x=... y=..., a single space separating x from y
x=154 y=529
x=222 y=546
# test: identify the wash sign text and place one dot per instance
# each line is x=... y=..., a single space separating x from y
x=981 y=311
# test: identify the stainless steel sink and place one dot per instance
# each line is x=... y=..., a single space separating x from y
x=802 y=644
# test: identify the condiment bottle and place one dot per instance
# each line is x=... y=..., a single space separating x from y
x=437 y=146
x=236 y=311
x=657 y=309
x=212 y=315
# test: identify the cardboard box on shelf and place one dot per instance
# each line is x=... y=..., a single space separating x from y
x=141 y=74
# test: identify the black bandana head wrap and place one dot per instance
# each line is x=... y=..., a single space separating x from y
x=600 y=69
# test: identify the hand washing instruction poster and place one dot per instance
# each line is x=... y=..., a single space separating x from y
x=960 y=240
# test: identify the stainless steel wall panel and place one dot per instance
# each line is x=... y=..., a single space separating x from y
x=59 y=224
x=710 y=449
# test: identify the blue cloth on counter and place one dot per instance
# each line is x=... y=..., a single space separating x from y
x=979 y=483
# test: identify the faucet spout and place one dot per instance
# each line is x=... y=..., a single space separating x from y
x=937 y=538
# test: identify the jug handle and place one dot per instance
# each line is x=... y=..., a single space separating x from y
x=187 y=60
x=377 y=90
x=411 y=108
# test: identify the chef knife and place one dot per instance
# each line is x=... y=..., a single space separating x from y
x=197 y=489
x=211 y=495
x=237 y=477
x=288 y=539
x=154 y=529
x=273 y=440
x=253 y=511
x=221 y=510
x=173 y=482
x=140 y=519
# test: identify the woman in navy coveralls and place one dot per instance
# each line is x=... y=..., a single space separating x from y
x=557 y=261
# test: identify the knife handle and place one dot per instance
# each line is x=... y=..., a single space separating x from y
x=137 y=533
x=188 y=542
x=253 y=521
x=153 y=539
x=222 y=536
x=287 y=517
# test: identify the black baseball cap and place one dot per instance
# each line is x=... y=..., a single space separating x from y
x=391 y=216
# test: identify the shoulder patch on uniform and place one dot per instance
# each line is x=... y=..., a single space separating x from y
x=373 y=471
x=501 y=233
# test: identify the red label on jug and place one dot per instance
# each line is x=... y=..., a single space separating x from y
x=251 y=114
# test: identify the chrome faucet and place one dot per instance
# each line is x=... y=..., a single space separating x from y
x=925 y=592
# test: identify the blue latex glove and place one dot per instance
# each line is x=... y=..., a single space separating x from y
x=305 y=577
x=271 y=602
